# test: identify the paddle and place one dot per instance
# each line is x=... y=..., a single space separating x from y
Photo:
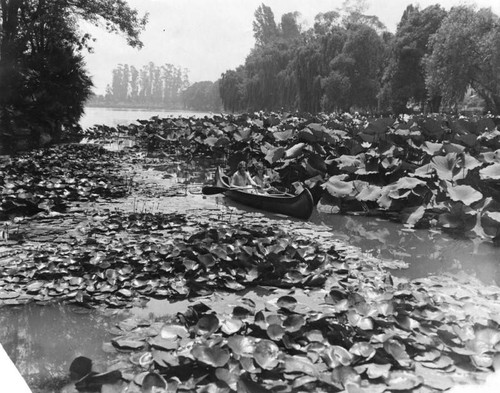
x=212 y=190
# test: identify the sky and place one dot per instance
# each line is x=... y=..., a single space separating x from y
x=209 y=37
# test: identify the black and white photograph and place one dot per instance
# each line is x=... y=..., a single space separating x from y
x=249 y=196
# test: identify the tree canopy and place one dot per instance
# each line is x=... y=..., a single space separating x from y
x=466 y=53
x=348 y=61
x=43 y=79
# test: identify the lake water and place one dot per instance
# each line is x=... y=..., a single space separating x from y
x=115 y=116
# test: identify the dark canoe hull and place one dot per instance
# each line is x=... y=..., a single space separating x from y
x=298 y=206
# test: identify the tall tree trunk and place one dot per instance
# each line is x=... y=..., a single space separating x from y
x=8 y=71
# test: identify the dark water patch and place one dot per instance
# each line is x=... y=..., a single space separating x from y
x=42 y=341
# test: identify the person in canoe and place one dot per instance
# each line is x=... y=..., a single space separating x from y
x=241 y=178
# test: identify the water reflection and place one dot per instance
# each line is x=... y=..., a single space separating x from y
x=425 y=251
x=42 y=341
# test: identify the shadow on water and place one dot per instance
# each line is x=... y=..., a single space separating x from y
x=42 y=341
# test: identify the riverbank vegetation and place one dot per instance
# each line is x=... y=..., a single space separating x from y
x=43 y=81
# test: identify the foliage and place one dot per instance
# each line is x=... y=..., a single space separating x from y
x=202 y=96
x=313 y=70
x=40 y=62
x=465 y=52
x=404 y=79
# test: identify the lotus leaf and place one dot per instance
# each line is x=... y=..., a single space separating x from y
x=491 y=172
x=465 y=194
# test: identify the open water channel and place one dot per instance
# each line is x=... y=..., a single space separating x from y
x=43 y=340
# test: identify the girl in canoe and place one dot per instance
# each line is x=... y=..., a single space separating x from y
x=241 y=177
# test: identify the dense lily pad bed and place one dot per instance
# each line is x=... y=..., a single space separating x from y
x=332 y=319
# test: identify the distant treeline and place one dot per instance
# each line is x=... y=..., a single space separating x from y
x=437 y=60
x=348 y=62
x=165 y=86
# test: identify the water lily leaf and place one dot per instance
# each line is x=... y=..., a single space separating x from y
x=434 y=379
x=247 y=385
x=213 y=356
x=230 y=326
x=465 y=194
x=152 y=380
x=295 y=150
x=283 y=135
x=403 y=380
x=207 y=325
x=432 y=148
x=369 y=192
x=490 y=157
x=242 y=312
x=300 y=364
x=275 y=332
x=491 y=172
x=440 y=363
x=266 y=354
x=242 y=134
x=173 y=332
x=128 y=344
x=162 y=343
x=375 y=370
x=206 y=259
x=288 y=302
x=363 y=349
x=294 y=323
x=241 y=345
x=274 y=154
x=335 y=356
x=372 y=388
x=348 y=163
x=339 y=188
x=446 y=167
x=398 y=351
x=314 y=336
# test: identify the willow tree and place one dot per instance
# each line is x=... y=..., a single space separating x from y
x=43 y=81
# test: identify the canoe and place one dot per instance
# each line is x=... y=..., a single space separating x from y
x=298 y=206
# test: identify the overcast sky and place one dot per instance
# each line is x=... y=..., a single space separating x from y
x=209 y=37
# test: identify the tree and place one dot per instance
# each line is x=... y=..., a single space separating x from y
x=356 y=72
x=265 y=30
x=231 y=88
x=35 y=34
x=466 y=53
x=404 y=78
x=290 y=28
